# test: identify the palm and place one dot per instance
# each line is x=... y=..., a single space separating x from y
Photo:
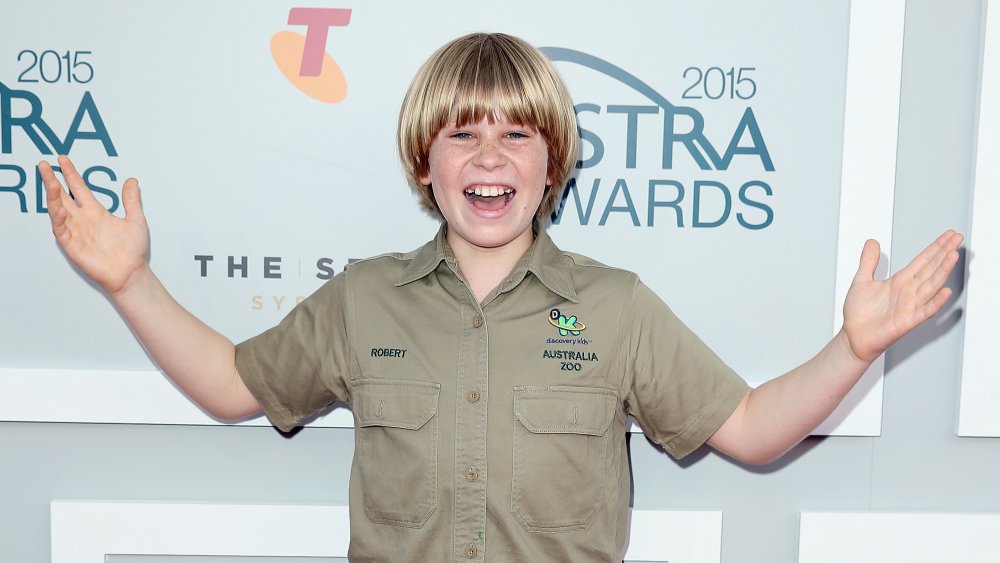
x=878 y=313
x=108 y=249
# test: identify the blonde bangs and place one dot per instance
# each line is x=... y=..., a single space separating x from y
x=496 y=82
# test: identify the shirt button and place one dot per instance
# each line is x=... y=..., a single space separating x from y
x=470 y=551
x=474 y=395
x=472 y=474
x=477 y=321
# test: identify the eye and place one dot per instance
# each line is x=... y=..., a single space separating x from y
x=461 y=135
x=517 y=135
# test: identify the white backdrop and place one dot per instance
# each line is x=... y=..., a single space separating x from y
x=836 y=537
x=978 y=414
x=274 y=189
x=91 y=532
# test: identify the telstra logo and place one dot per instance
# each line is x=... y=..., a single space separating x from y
x=303 y=58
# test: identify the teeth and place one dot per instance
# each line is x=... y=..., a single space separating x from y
x=489 y=192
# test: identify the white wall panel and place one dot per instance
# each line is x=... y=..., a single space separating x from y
x=886 y=537
x=87 y=531
x=979 y=408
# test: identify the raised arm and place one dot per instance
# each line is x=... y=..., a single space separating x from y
x=114 y=252
x=780 y=413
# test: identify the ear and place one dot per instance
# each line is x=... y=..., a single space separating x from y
x=422 y=170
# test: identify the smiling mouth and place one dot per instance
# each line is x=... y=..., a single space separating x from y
x=490 y=198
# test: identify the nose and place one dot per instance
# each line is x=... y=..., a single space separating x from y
x=490 y=154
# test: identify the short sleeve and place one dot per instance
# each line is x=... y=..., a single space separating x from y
x=301 y=365
x=678 y=389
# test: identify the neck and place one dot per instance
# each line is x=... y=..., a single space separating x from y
x=484 y=268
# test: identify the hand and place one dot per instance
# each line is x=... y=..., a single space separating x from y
x=110 y=250
x=878 y=313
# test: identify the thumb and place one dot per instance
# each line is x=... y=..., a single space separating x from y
x=870 y=256
x=132 y=200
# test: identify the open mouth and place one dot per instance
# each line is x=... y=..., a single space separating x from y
x=489 y=198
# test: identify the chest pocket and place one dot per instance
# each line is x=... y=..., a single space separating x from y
x=396 y=442
x=561 y=455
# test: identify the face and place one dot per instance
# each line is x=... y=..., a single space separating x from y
x=488 y=180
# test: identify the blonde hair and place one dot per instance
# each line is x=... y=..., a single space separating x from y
x=480 y=76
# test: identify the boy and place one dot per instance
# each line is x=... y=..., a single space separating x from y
x=473 y=438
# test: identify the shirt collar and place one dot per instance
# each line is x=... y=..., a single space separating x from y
x=550 y=266
x=426 y=258
x=543 y=259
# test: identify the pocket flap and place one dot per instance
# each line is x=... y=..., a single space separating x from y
x=565 y=409
x=396 y=403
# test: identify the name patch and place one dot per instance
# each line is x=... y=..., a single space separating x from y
x=388 y=352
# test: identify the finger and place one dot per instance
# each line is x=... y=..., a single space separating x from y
x=935 y=272
x=56 y=197
x=57 y=211
x=955 y=240
x=936 y=279
x=937 y=303
x=942 y=249
x=132 y=200
x=55 y=207
x=948 y=240
x=870 y=256
x=77 y=187
x=930 y=255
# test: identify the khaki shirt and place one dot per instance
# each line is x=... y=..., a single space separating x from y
x=492 y=431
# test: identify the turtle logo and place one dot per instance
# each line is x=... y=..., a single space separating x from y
x=566 y=325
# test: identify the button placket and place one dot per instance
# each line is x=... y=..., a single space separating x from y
x=470 y=433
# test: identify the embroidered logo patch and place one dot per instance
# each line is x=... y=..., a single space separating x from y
x=566 y=325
